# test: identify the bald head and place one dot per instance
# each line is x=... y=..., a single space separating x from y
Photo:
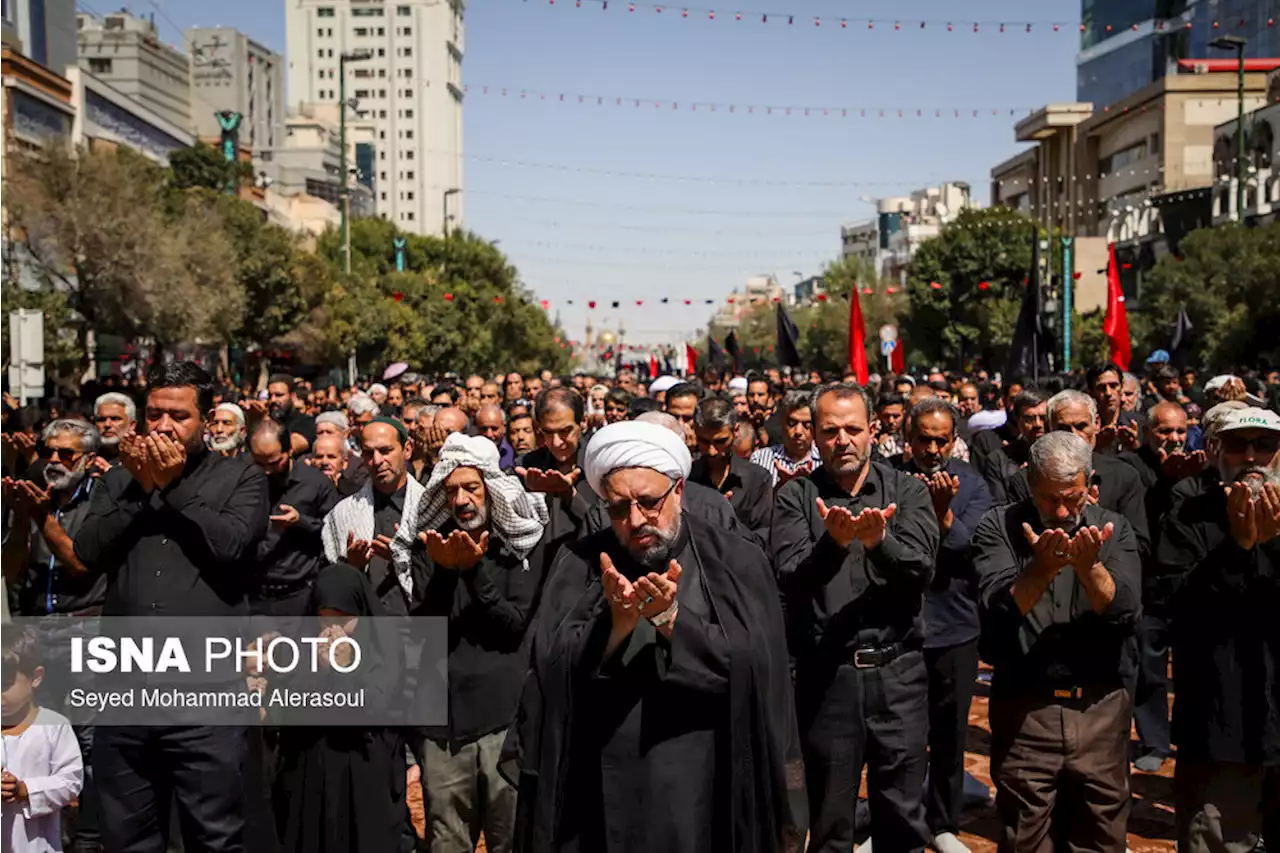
x=452 y=419
x=663 y=419
x=491 y=423
x=1167 y=427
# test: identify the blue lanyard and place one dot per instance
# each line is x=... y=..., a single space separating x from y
x=53 y=561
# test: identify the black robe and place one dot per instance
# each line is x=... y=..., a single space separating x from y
x=684 y=746
x=341 y=789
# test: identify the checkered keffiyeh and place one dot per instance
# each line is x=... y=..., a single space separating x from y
x=354 y=515
x=516 y=516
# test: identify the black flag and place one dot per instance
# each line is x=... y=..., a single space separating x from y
x=715 y=355
x=731 y=347
x=788 y=338
x=1180 y=345
x=1029 y=347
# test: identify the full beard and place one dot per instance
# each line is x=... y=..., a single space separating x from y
x=224 y=443
x=1253 y=476
x=477 y=520
x=61 y=479
x=656 y=556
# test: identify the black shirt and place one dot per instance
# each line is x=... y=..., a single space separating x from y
x=51 y=587
x=387 y=510
x=303 y=425
x=186 y=550
x=751 y=487
x=1061 y=642
x=1226 y=630
x=291 y=556
x=840 y=599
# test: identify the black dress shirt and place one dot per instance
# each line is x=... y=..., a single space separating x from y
x=841 y=599
x=752 y=489
x=185 y=550
x=1061 y=642
x=289 y=557
x=951 y=600
x=387 y=510
x=1226 y=639
x=51 y=587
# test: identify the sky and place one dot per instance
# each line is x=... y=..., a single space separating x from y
x=607 y=202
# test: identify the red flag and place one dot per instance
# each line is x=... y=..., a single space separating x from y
x=857 y=339
x=898 y=361
x=653 y=366
x=691 y=357
x=1116 y=323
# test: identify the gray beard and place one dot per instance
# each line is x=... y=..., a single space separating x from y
x=61 y=479
x=657 y=555
x=223 y=444
x=1253 y=476
x=477 y=522
x=110 y=443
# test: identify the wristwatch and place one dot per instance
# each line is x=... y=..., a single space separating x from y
x=665 y=616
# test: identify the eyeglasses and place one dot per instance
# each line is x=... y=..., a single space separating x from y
x=1261 y=444
x=648 y=506
x=65 y=455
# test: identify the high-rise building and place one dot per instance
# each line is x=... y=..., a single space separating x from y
x=1128 y=44
x=43 y=31
x=408 y=86
x=230 y=71
x=126 y=52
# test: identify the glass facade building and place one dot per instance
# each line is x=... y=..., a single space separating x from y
x=1116 y=60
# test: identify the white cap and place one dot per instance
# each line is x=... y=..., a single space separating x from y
x=1217 y=382
x=663 y=383
x=738 y=383
x=1250 y=418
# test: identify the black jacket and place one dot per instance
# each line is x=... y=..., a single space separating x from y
x=751 y=488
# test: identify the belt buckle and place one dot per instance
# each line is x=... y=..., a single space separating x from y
x=857 y=659
x=1073 y=693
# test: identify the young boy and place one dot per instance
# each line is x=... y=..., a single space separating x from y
x=42 y=769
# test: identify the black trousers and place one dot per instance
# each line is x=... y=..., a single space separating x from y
x=876 y=716
x=1151 y=698
x=294 y=604
x=952 y=673
x=142 y=770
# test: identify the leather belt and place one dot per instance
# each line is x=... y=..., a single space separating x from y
x=871 y=657
x=280 y=590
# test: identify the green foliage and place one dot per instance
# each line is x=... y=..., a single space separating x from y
x=1227 y=280
x=205 y=166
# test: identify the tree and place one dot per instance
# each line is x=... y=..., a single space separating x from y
x=1226 y=279
x=207 y=167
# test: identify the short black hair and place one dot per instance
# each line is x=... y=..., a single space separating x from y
x=560 y=396
x=280 y=378
x=715 y=413
x=619 y=397
x=446 y=388
x=19 y=653
x=1028 y=398
x=183 y=374
x=683 y=389
x=276 y=430
x=1165 y=373
x=640 y=405
x=1094 y=373
x=930 y=406
x=940 y=385
x=890 y=398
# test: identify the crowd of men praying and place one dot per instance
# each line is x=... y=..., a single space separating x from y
x=684 y=614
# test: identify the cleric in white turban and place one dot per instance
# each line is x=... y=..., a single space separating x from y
x=674 y=627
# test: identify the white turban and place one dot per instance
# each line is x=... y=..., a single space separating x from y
x=663 y=383
x=738 y=384
x=515 y=516
x=633 y=444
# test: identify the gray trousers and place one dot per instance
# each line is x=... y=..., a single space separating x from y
x=1224 y=807
x=465 y=795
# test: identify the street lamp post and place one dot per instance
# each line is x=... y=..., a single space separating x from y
x=1237 y=44
x=344 y=191
x=444 y=203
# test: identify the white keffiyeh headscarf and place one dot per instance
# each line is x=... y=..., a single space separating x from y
x=635 y=444
x=516 y=516
x=354 y=515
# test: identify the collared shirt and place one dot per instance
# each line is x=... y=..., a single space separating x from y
x=769 y=458
x=951 y=601
x=839 y=599
x=291 y=556
x=186 y=550
x=751 y=494
x=52 y=587
x=387 y=511
x=1061 y=642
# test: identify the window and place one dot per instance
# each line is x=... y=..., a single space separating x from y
x=330 y=53
x=363 y=73
x=367 y=12
x=330 y=73
x=404 y=11
x=321 y=73
x=382 y=113
x=408 y=31
x=382 y=73
x=382 y=155
x=319 y=55
x=408 y=113
x=324 y=12
x=362 y=93
x=361 y=32
x=410 y=216
x=329 y=32
x=383 y=196
x=320 y=32
x=382 y=134
x=382 y=52
x=382 y=93
x=408 y=155
x=409 y=195
x=408 y=176
x=382 y=31
x=408 y=134
x=405 y=52
x=382 y=176
x=100 y=66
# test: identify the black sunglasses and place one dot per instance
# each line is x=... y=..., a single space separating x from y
x=65 y=454
x=648 y=506
x=1261 y=444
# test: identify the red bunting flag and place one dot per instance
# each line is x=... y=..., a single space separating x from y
x=398 y=296
x=857 y=339
x=591 y=304
x=898 y=361
x=1115 y=325
x=653 y=366
x=691 y=359
x=448 y=297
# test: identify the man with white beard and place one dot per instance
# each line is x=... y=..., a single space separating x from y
x=53 y=584
x=226 y=430
x=1220 y=549
x=114 y=414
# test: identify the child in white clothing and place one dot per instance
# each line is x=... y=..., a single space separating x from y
x=42 y=769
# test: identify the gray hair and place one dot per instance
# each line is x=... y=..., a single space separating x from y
x=362 y=404
x=1070 y=398
x=236 y=411
x=793 y=400
x=930 y=406
x=338 y=419
x=115 y=398
x=87 y=433
x=715 y=413
x=1060 y=457
x=662 y=419
x=432 y=409
x=843 y=391
x=1129 y=379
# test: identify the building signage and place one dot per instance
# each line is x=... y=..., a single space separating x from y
x=128 y=128
x=211 y=59
x=37 y=121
